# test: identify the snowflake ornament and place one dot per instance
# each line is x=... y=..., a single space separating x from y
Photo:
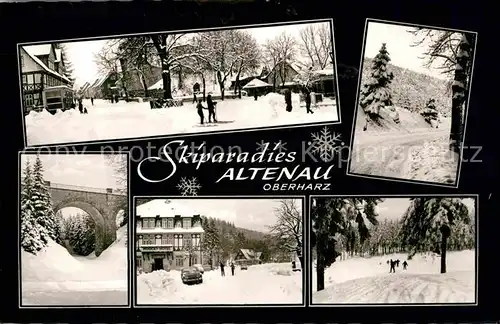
x=325 y=144
x=279 y=146
x=189 y=187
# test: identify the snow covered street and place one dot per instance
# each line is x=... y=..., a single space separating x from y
x=54 y=277
x=260 y=284
x=107 y=121
x=367 y=280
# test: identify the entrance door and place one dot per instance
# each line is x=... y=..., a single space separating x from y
x=158 y=264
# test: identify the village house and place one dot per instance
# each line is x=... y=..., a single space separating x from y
x=283 y=75
x=168 y=236
x=247 y=257
x=41 y=67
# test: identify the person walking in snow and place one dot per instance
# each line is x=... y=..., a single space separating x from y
x=194 y=97
x=255 y=95
x=405 y=264
x=221 y=267
x=80 y=105
x=92 y=100
x=393 y=266
x=211 y=108
x=288 y=100
x=307 y=98
x=232 y=268
x=200 y=108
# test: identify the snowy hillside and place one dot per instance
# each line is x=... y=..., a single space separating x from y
x=367 y=280
x=274 y=283
x=133 y=119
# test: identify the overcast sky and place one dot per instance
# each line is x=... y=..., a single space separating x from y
x=252 y=214
x=86 y=170
x=398 y=41
x=394 y=208
x=82 y=54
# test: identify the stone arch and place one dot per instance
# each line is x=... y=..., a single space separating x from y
x=100 y=222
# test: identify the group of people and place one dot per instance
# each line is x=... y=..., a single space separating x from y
x=81 y=108
x=210 y=107
x=395 y=263
x=222 y=272
x=309 y=98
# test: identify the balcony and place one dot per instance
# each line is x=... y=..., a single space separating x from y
x=157 y=248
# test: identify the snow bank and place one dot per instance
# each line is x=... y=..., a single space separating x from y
x=107 y=121
x=260 y=284
x=53 y=263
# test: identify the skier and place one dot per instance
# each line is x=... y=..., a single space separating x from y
x=397 y=263
x=200 y=108
x=393 y=264
x=92 y=100
x=211 y=108
x=288 y=100
x=405 y=264
x=232 y=268
x=307 y=97
x=221 y=267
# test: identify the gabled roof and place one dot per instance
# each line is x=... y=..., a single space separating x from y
x=250 y=254
x=41 y=64
x=41 y=49
x=256 y=83
x=165 y=208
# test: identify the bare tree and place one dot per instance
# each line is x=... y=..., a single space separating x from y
x=453 y=52
x=248 y=53
x=107 y=60
x=288 y=227
x=317 y=44
x=279 y=52
x=197 y=65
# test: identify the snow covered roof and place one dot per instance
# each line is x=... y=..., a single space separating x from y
x=157 y=85
x=39 y=62
x=58 y=54
x=165 y=208
x=256 y=83
x=325 y=71
x=42 y=49
x=250 y=254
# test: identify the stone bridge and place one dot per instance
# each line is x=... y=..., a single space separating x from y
x=101 y=204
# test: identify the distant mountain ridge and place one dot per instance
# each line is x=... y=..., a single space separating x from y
x=411 y=90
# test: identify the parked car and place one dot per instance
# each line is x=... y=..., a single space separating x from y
x=191 y=275
x=200 y=268
x=243 y=267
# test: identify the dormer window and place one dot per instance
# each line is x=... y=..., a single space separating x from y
x=170 y=223
x=186 y=223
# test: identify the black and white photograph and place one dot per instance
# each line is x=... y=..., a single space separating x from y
x=178 y=83
x=216 y=252
x=412 y=103
x=375 y=250
x=74 y=230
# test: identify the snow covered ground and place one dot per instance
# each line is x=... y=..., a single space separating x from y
x=368 y=281
x=54 y=277
x=107 y=121
x=273 y=283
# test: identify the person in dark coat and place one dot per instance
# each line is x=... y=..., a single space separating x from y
x=307 y=98
x=80 y=105
x=92 y=100
x=393 y=266
x=255 y=95
x=288 y=100
x=211 y=109
x=405 y=264
x=221 y=267
x=200 y=108
x=194 y=97
x=232 y=268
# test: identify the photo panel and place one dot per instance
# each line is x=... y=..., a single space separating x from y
x=418 y=250
x=219 y=252
x=179 y=82
x=412 y=102
x=73 y=230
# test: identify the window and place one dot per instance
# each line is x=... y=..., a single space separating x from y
x=166 y=239
x=186 y=242
x=138 y=262
x=195 y=240
x=177 y=224
x=25 y=79
x=179 y=261
x=164 y=223
x=148 y=223
x=186 y=223
x=148 y=240
x=177 y=240
x=36 y=99
x=38 y=78
x=28 y=99
x=170 y=223
x=194 y=259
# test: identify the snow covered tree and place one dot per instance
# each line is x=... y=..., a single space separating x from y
x=427 y=224
x=335 y=217
x=248 y=53
x=317 y=45
x=288 y=228
x=44 y=212
x=375 y=93
x=81 y=233
x=33 y=238
x=67 y=66
x=210 y=242
x=430 y=112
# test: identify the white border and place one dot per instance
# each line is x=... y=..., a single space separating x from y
x=476 y=265
x=248 y=197
x=19 y=277
x=156 y=137
x=422 y=182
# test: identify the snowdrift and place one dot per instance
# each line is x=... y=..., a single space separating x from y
x=281 y=286
x=71 y=126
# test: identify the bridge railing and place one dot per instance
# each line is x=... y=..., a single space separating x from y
x=54 y=185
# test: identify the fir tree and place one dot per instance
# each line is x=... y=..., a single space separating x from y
x=44 y=212
x=375 y=93
x=430 y=112
x=211 y=240
x=31 y=239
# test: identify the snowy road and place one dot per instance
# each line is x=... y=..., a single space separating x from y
x=75 y=298
x=388 y=155
x=260 y=284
